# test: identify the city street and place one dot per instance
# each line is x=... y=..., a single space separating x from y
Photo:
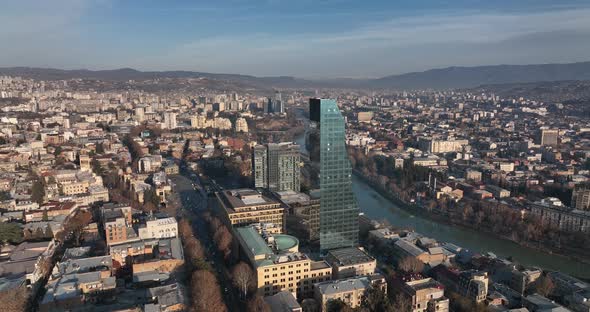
x=196 y=201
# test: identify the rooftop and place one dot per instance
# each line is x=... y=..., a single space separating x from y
x=348 y=256
x=345 y=285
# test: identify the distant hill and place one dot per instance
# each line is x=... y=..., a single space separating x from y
x=468 y=77
x=444 y=78
x=124 y=74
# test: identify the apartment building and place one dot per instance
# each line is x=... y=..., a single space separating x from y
x=426 y=295
x=351 y=291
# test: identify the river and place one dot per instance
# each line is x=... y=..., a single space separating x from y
x=377 y=207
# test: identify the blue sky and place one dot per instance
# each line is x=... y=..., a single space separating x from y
x=303 y=38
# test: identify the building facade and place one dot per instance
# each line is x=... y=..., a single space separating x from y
x=339 y=211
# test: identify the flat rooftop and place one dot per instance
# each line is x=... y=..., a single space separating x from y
x=240 y=198
x=348 y=256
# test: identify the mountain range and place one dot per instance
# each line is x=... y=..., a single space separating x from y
x=443 y=78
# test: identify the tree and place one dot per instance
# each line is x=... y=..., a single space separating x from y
x=223 y=240
x=376 y=300
x=206 y=295
x=243 y=277
x=15 y=299
x=401 y=303
x=10 y=233
x=544 y=286
x=45 y=216
x=411 y=265
x=337 y=305
x=257 y=304
x=75 y=225
x=38 y=192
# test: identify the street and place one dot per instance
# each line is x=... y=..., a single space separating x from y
x=196 y=201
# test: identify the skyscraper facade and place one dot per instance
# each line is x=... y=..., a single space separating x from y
x=276 y=166
x=339 y=211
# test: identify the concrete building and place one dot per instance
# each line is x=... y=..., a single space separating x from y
x=159 y=228
x=350 y=262
x=306 y=209
x=426 y=295
x=351 y=291
x=241 y=125
x=581 y=197
x=434 y=146
x=246 y=206
x=279 y=168
x=283 y=302
x=170 y=120
x=548 y=137
x=278 y=264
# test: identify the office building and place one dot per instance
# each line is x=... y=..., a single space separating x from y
x=339 y=212
x=276 y=166
x=246 y=206
x=278 y=264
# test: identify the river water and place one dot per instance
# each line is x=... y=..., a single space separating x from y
x=377 y=207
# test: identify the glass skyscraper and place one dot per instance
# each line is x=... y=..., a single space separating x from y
x=339 y=211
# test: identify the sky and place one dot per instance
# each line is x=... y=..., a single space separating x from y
x=302 y=38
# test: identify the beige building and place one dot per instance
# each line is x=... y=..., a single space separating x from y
x=435 y=146
x=279 y=265
x=159 y=228
x=351 y=291
x=350 y=262
x=246 y=206
x=426 y=295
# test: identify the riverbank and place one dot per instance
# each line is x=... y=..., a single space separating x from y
x=470 y=237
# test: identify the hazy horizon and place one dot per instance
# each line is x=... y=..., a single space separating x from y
x=306 y=39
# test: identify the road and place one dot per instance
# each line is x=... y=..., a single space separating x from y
x=196 y=201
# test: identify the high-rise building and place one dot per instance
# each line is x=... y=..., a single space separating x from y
x=259 y=166
x=170 y=120
x=276 y=166
x=241 y=125
x=581 y=197
x=278 y=106
x=339 y=211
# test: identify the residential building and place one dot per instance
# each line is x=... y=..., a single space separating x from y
x=279 y=168
x=581 y=197
x=426 y=295
x=351 y=291
x=283 y=302
x=158 y=228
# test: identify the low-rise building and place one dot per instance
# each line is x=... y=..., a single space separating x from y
x=246 y=206
x=351 y=291
x=350 y=262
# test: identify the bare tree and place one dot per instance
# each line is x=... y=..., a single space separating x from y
x=206 y=295
x=243 y=277
x=401 y=303
x=411 y=264
x=544 y=286
x=257 y=304
x=14 y=300
x=223 y=240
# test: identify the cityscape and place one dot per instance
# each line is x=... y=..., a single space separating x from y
x=445 y=189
